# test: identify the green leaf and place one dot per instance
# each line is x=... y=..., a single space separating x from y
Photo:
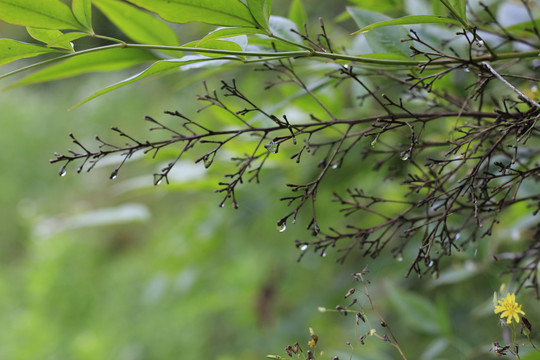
x=104 y=60
x=281 y=27
x=237 y=44
x=11 y=50
x=260 y=9
x=380 y=5
x=409 y=20
x=217 y=12
x=297 y=13
x=82 y=9
x=458 y=9
x=381 y=40
x=47 y=36
x=154 y=69
x=137 y=24
x=46 y=14
x=229 y=32
x=66 y=38
x=525 y=29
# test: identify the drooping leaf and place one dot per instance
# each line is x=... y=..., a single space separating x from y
x=410 y=20
x=381 y=40
x=137 y=24
x=45 y=14
x=11 y=50
x=104 y=60
x=82 y=9
x=217 y=12
x=156 y=68
x=297 y=13
x=47 y=36
x=260 y=9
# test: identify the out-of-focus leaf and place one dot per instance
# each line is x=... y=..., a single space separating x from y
x=137 y=24
x=105 y=60
x=281 y=27
x=297 y=13
x=217 y=12
x=381 y=40
x=156 y=68
x=82 y=9
x=260 y=9
x=410 y=20
x=11 y=50
x=458 y=9
x=46 y=14
x=525 y=29
x=419 y=313
x=378 y=5
x=47 y=36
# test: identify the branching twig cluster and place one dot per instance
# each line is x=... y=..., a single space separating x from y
x=461 y=159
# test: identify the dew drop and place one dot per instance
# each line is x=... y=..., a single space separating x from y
x=282 y=228
x=399 y=258
x=222 y=205
x=335 y=166
x=303 y=247
x=374 y=142
x=114 y=175
x=272 y=147
x=405 y=155
x=467 y=69
x=63 y=173
x=534 y=88
x=479 y=43
x=458 y=235
x=323 y=254
x=208 y=159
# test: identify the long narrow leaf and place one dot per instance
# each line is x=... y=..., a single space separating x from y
x=66 y=38
x=82 y=9
x=137 y=24
x=229 y=32
x=46 y=14
x=105 y=60
x=154 y=69
x=297 y=13
x=381 y=40
x=11 y=50
x=217 y=12
x=409 y=20
x=260 y=9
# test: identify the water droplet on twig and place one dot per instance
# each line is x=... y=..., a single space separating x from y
x=405 y=155
x=272 y=147
x=282 y=227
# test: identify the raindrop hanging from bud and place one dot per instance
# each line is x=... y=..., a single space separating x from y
x=282 y=227
x=405 y=155
x=272 y=147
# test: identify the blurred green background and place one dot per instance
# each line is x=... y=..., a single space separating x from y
x=93 y=268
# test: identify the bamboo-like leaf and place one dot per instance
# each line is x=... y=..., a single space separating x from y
x=525 y=29
x=381 y=40
x=104 y=60
x=82 y=9
x=156 y=68
x=281 y=27
x=47 y=36
x=11 y=50
x=66 y=38
x=222 y=33
x=217 y=12
x=260 y=9
x=297 y=13
x=238 y=43
x=137 y=24
x=409 y=20
x=45 y=14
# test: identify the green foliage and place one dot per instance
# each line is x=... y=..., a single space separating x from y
x=399 y=140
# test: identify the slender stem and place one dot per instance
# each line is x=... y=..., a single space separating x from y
x=516 y=90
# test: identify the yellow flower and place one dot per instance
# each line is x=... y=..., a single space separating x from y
x=509 y=308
